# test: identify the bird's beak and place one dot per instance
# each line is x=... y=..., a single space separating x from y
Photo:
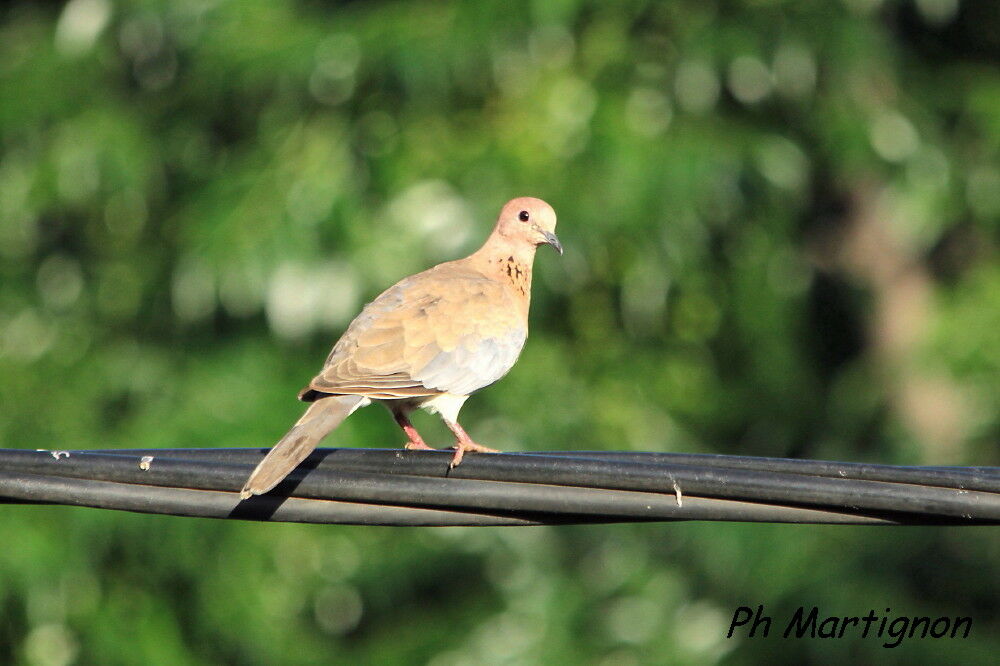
x=552 y=240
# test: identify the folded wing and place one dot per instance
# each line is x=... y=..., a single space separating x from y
x=447 y=330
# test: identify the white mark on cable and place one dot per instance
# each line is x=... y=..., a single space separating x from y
x=56 y=454
x=677 y=493
x=144 y=462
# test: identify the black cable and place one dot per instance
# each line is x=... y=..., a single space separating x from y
x=208 y=504
x=703 y=480
x=463 y=494
x=400 y=487
x=970 y=478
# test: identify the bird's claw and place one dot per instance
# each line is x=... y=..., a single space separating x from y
x=462 y=447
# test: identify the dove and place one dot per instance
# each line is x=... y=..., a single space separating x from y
x=428 y=342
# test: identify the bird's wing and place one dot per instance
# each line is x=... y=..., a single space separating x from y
x=447 y=330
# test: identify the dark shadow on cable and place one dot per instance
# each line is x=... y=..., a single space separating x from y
x=263 y=507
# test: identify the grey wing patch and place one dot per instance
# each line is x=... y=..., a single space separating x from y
x=474 y=363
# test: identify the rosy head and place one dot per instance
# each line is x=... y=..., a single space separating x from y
x=530 y=220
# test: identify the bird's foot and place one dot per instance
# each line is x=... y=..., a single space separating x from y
x=464 y=443
x=467 y=445
x=414 y=441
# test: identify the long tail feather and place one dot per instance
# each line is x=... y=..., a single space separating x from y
x=322 y=416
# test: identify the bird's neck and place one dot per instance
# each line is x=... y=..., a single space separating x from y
x=507 y=263
x=516 y=272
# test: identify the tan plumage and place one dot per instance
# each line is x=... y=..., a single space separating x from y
x=449 y=329
x=428 y=341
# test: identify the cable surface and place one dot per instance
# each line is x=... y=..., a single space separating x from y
x=397 y=487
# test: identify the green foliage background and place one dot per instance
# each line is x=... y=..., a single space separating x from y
x=781 y=227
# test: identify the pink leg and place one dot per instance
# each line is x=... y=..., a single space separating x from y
x=464 y=443
x=416 y=442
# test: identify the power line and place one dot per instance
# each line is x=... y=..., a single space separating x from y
x=398 y=487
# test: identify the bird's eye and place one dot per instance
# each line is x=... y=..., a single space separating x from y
x=523 y=216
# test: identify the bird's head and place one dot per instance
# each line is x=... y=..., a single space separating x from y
x=529 y=221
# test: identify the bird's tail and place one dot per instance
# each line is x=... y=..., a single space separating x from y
x=322 y=416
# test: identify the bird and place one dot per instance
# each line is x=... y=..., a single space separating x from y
x=428 y=342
